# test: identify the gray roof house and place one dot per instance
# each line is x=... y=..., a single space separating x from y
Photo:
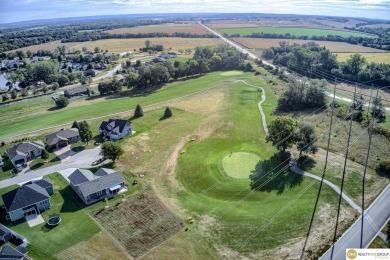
x=5 y=234
x=1 y=161
x=29 y=199
x=10 y=252
x=69 y=93
x=24 y=152
x=115 y=129
x=63 y=138
x=92 y=187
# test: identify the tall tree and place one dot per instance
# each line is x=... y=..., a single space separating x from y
x=85 y=132
x=111 y=150
x=138 y=112
x=306 y=138
x=356 y=63
x=281 y=132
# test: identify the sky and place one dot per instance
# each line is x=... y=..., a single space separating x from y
x=24 y=10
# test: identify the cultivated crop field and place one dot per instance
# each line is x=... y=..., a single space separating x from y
x=335 y=47
x=139 y=223
x=122 y=45
x=50 y=46
x=163 y=28
x=370 y=57
x=291 y=30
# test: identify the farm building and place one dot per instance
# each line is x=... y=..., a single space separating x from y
x=63 y=138
x=92 y=187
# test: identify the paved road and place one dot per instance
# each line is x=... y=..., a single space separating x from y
x=348 y=100
x=334 y=187
x=83 y=159
x=374 y=218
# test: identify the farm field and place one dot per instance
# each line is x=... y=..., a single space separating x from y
x=163 y=28
x=50 y=46
x=291 y=30
x=122 y=45
x=370 y=57
x=335 y=47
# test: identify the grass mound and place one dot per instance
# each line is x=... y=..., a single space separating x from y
x=240 y=165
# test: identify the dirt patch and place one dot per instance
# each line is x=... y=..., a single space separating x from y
x=206 y=102
x=101 y=246
x=50 y=46
x=206 y=223
x=135 y=148
x=140 y=223
x=170 y=165
x=163 y=28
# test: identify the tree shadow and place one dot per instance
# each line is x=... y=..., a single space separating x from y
x=164 y=118
x=273 y=175
x=306 y=163
x=54 y=108
x=37 y=165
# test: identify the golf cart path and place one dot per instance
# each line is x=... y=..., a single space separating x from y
x=295 y=168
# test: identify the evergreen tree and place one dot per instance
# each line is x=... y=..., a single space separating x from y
x=44 y=154
x=76 y=125
x=167 y=112
x=138 y=112
x=85 y=132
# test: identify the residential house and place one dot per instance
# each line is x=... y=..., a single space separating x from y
x=90 y=72
x=5 y=234
x=29 y=199
x=76 y=66
x=80 y=91
x=45 y=183
x=10 y=252
x=34 y=59
x=101 y=66
x=92 y=187
x=63 y=138
x=1 y=161
x=115 y=129
x=172 y=55
x=24 y=152
x=156 y=60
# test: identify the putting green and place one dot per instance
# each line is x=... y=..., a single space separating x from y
x=232 y=73
x=240 y=165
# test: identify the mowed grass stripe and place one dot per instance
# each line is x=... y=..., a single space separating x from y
x=109 y=106
x=292 y=31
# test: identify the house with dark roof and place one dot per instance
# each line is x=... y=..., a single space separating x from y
x=5 y=234
x=10 y=252
x=74 y=92
x=115 y=129
x=21 y=153
x=93 y=187
x=63 y=138
x=31 y=198
x=90 y=72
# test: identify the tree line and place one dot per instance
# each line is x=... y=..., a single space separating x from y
x=311 y=60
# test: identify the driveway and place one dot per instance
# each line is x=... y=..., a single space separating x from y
x=83 y=159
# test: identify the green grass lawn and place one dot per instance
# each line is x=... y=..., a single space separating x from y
x=241 y=207
x=76 y=224
x=291 y=31
x=16 y=122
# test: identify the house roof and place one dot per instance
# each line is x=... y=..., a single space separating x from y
x=74 y=91
x=102 y=172
x=116 y=125
x=23 y=196
x=3 y=230
x=80 y=176
x=44 y=183
x=54 y=138
x=24 y=148
x=9 y=252
x=101 y=183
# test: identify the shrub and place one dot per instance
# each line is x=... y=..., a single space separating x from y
x=62 y=102
x=138 y=112
x=383 y=167
x=167 y=113
x=44 y=154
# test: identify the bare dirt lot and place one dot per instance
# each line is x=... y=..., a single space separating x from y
x=163 y=28
x=140 y=223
